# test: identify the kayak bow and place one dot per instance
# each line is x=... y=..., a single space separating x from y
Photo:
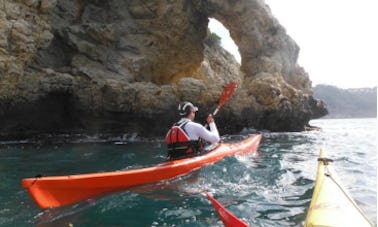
x=55 y=191
x=331 y=205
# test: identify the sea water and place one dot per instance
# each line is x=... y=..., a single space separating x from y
x=270 y=188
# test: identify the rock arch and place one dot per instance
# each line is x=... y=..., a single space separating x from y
x=263 y=43
x=126 y=63
x=274 y=88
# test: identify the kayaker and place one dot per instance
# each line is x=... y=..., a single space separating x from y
x=185 y=137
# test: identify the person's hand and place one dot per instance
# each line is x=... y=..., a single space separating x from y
x=210 y=119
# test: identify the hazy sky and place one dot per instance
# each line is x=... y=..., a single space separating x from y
x=338 y=39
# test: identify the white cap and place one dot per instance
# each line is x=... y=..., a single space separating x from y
x=185 y=108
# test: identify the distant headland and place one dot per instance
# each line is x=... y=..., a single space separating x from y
x=348 y=103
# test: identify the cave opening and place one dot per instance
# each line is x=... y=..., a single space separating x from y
x=227 y=42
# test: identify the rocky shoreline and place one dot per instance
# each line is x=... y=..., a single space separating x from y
x=123 y=66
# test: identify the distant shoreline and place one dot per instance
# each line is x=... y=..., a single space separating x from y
x=346 y=117
x=348 y=103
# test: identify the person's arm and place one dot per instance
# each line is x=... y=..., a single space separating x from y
x=212 y=126
x=214 y=131
x=211 y=136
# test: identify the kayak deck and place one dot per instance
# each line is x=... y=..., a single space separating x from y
x=331 y=205
x=55 y=191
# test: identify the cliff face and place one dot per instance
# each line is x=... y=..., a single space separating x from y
x=97 y=66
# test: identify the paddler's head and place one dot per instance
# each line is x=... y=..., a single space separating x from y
x=187 y=109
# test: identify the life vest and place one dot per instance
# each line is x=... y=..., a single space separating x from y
x=179 y=143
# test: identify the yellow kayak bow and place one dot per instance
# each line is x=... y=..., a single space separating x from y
x=331 y=205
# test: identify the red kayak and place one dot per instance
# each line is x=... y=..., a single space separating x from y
x=55 y=191
x=228 y=219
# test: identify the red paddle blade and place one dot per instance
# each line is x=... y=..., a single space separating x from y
x=228 y=219
x=227 y=92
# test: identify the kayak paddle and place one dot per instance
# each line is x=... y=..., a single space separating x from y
x=227 y=92
x=228 y=219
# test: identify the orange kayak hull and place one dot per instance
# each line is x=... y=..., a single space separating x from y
x=55 y=191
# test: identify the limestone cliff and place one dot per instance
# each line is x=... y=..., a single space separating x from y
x=100 y=66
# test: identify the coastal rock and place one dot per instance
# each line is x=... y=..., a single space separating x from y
x=116 y=66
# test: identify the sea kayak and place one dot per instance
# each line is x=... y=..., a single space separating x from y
x=55 y=191
x=331 y=205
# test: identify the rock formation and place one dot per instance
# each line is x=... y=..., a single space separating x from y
x=122 y=66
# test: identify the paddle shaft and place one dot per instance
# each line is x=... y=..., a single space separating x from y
x=227 y=92
x=215 y=111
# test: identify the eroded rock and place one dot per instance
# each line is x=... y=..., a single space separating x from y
x=114 y=66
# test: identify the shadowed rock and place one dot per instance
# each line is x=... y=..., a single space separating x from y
x=115 y=66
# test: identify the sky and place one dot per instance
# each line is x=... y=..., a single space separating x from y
x=338 y=39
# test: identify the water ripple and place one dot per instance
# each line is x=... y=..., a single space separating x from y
x=272 y=188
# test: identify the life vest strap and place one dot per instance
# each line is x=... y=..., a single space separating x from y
x=184 y=148
x=179 y=144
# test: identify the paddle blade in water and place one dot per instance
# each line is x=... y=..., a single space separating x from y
x=228 y=219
